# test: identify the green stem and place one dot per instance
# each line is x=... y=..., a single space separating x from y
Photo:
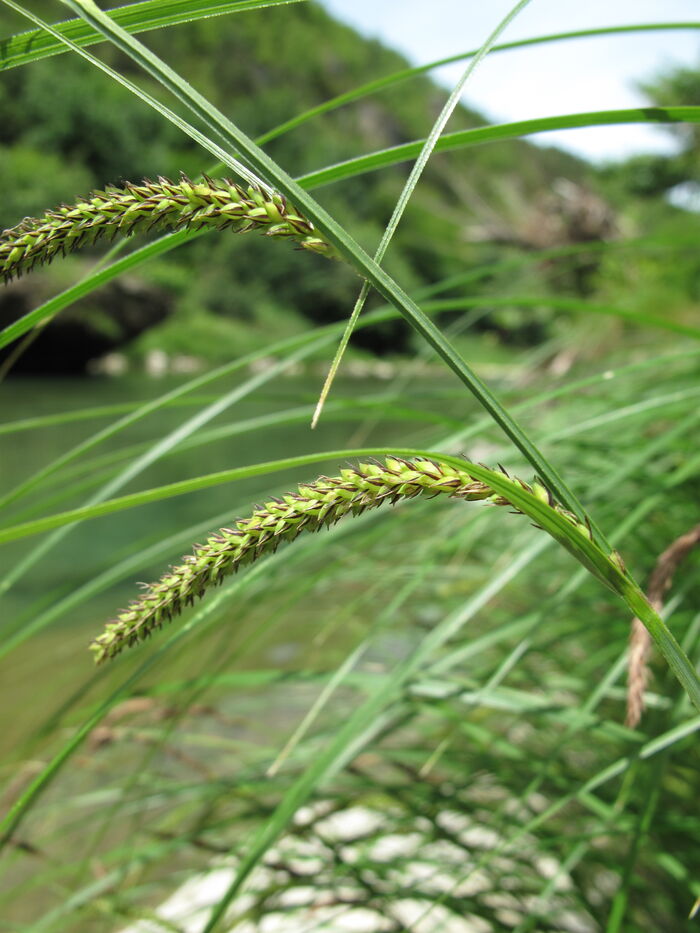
x=663 y=639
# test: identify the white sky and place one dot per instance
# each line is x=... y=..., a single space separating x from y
x=545 y=80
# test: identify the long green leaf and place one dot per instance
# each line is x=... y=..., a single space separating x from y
x=48 y=523
x=404 y=74
x=134 y=17
x=499 y=132
x=36 y=44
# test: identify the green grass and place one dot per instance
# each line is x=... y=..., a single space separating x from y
x=451 y=670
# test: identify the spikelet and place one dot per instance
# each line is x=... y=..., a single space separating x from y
x=312 y=507
x=153 y=205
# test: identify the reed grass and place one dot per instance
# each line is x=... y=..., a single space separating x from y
x=452 y=676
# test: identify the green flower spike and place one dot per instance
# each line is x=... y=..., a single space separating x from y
x=161 y=205
x=312 y=507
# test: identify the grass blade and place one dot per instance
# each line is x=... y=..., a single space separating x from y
x=134 y=17
x=407 y=191
x=463 y=139
x=405 y=74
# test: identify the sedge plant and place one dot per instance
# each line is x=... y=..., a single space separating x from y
x=481 y=738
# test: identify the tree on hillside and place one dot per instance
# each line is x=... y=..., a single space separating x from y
x=656 y=174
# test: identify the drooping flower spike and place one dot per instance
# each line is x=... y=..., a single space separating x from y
x=312 y=507
x=154 y=205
